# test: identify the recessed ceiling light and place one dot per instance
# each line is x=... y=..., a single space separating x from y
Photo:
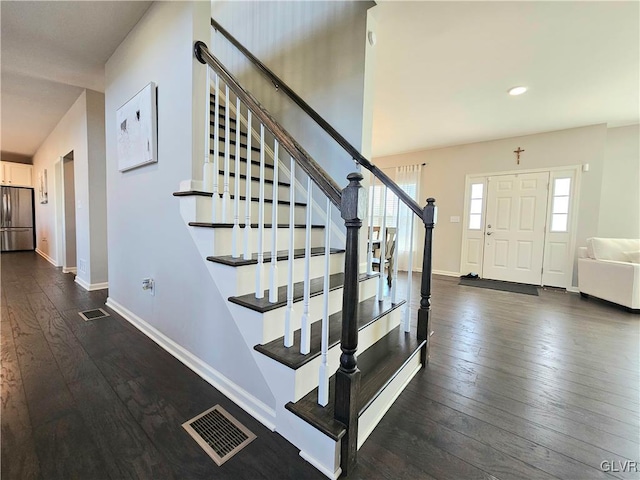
x=517 y=90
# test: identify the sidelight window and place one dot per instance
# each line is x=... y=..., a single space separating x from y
x=560 y=205
x=475 y=208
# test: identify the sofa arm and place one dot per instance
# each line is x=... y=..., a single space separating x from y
x=617 y=282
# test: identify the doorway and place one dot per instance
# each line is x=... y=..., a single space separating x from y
x=519 y=227
x=69 y=264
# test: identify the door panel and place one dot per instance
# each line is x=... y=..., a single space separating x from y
x=515 y=227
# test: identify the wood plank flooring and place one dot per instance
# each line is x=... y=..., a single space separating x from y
x=518 y=387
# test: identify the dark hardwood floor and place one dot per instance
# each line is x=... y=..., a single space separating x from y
x=518 y=387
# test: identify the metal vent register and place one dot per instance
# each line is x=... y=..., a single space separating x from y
x=93 y=314
x=219 y=434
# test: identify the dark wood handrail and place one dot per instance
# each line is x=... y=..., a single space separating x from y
x=319 y=176
x=332 y=132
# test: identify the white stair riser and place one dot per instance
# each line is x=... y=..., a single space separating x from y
x=255 y=169
x=203 y=211
x=283 y=190
x=244 y=277
x=222 y=240
x=273 y=320
x=372 y=415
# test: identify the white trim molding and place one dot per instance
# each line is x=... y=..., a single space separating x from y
x=90 y=287
x=69 y=269
x=446 y=273
x=47 y=257
x=256 y=408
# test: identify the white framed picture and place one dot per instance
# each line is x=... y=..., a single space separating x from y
x=43 y=188
x=137 y=130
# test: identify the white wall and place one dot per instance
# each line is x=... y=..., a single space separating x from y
x=444 y=178
x=76 y=132
x=620 y=201
x=318 y=49
x=147 y=235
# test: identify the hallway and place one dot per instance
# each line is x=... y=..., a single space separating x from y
x=518 y=387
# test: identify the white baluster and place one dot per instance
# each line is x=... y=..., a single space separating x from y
x=235 y=234
x=323 y=381
x=207 y=172
x=226 y=197
x=247 y=182
x=260 y=265
x=273 y=278
x=407 y=308
x=215 y=199
x=394 y=277
x=288 y=316
x=370 y=248
x=383 y=244
x=305 y=332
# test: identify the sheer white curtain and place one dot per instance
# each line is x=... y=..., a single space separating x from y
x=408 y=178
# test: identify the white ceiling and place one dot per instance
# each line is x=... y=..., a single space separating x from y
x=443 y=69
x=51 y=52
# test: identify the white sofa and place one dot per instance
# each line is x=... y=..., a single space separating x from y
x=609 y=268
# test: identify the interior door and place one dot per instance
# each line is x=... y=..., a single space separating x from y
x=515 y=227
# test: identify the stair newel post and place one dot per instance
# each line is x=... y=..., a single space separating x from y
x=273 y=271
x=236 y=188
x=353 y=210
x=429 y=217
x=207 y=173
x=247 y=188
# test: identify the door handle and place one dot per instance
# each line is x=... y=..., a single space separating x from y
x=489 y=233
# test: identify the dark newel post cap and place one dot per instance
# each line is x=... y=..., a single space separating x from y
x=353 y=205
x=198 y=52
x=430 y=212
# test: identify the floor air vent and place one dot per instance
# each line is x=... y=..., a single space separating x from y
x=219 y=434
x=94 y=314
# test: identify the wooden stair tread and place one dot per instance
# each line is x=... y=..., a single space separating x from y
x=199 y=193
x=369 y=311
x=263 y=305
x=379 y=364
x=280 y=255
x=253 y=225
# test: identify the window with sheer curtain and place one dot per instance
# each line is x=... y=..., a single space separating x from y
x=408 y=178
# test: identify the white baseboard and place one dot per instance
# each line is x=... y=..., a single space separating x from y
x=573 y=289
x=446 y=273
x=70 y=270
x=46 y=257
x=90 y=287
x=256 y=408
x=319 y=466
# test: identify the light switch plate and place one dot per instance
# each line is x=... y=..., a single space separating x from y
x=455 y=219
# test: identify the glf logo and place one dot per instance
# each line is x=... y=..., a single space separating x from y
x=627 y=466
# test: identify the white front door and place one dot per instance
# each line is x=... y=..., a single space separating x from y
x=515 y=227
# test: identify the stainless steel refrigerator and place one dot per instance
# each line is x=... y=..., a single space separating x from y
x=16 y=219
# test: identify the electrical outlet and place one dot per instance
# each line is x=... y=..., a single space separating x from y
x=149 y=284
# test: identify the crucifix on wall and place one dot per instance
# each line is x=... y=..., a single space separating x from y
x=518 y=152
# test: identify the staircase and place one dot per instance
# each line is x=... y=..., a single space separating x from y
x=266 y=220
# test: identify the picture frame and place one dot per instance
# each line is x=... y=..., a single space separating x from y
x=137 y=127
x=43 y=188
